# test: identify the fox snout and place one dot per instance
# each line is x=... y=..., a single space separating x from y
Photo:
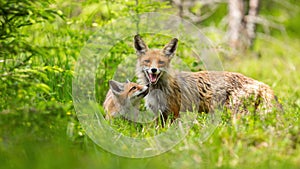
x=153 y=75
x=153 y=70
x=143 y=91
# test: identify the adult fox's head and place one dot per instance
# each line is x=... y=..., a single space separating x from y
x=153 y=63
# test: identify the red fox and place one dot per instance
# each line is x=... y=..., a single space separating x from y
x=122 y=96
x=171 y=92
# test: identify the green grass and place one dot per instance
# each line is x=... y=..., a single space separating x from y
x=39 y=127
x=47 y=140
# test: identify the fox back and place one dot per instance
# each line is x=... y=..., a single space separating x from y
x=174 y=91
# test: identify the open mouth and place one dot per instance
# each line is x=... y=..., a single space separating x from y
x=153 y=78
x=143 y=94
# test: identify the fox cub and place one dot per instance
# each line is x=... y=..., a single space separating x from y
x=171 y=91
x=121 y=97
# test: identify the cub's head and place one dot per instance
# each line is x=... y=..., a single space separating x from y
x=128 y=93
x=152 y=64
x=126 y=97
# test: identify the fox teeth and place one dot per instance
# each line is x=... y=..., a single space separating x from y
x=153 y=77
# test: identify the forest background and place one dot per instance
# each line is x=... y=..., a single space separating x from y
x=40 y=42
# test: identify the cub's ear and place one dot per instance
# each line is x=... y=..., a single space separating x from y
x=139 y=45
x=170 y=48
x=116 y=87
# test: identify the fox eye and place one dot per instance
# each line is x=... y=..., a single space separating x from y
x=133 y=88
x=161 y=62
x=147 y=61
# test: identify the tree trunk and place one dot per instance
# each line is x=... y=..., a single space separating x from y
x=253 y=11
x=236 y=25
x=242 y=23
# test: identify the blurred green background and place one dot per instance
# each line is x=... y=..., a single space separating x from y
x=40 y=42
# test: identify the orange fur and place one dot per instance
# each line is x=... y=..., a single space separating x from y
x=204 y=91
x=122 y=96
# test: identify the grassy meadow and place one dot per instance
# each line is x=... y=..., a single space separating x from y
x=39 y=127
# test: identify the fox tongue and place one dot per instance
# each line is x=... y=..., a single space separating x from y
x=153 y=77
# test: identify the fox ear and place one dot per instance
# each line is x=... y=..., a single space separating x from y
x=116 y=87
x=127 y=81
x=139 y=45
x=170 y=48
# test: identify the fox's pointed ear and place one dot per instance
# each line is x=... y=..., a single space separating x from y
x=116 y=87
x=170 y=48
x=139 y=45
x=127 y=81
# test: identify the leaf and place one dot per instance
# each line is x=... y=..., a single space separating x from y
x=45 y=88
